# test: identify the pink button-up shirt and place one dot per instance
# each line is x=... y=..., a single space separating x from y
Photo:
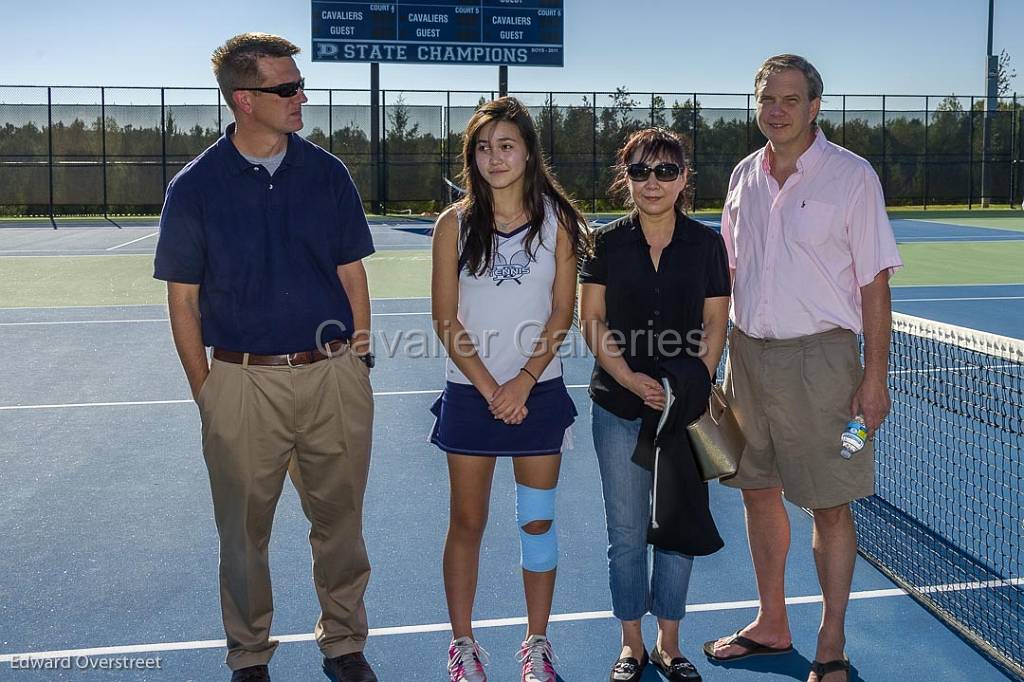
x=802 y=252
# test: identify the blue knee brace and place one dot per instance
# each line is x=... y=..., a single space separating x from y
x=539 y=551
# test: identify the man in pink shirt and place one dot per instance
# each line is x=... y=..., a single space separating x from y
x=811 y=251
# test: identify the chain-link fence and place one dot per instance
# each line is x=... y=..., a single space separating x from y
x=111 y=151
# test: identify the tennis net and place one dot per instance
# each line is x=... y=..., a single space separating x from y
x=946 y=521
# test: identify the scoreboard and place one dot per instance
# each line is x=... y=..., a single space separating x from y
x=486 y=32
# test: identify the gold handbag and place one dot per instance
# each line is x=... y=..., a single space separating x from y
x=716 y=438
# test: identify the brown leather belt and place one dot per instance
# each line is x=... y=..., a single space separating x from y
x=291 y=360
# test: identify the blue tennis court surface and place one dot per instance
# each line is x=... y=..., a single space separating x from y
x=110 y=547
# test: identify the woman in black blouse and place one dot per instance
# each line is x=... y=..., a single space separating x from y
x=656 y=288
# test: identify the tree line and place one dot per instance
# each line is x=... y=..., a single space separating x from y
x=933 y=157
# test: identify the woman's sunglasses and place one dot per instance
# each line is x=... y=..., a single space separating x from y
x=285 y=90
x=665 y=172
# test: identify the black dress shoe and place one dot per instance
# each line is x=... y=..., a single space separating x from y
x=349 y=668
x=628 y=669
x=677 y=670
x=254 y=673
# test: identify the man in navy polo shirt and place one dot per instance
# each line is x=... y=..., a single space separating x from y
x=261 y=241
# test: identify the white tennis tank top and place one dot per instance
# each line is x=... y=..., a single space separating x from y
x=505 y=308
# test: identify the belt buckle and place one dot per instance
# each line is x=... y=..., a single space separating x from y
x=294 y=365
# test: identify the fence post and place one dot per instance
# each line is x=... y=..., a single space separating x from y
x=220 y=107
x=885 y=156
x=382 y=161
x=593 y=155
x=1018 y=127
x=447 y=167
x=694 y=140
x=330 y=121
x=746 y=128
x=924 y=202
x=1013 y=149
x=844 y=120
x=652 y=109
x=551 y=129
x=163 y=139
x=49 y=147
x=970 y=158
x=103 y=148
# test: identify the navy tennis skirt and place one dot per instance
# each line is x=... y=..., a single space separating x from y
x=465 y=425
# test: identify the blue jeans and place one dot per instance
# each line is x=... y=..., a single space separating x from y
x=627 y=508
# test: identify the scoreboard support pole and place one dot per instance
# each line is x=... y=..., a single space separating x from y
x=376 y=165
x=503 y=80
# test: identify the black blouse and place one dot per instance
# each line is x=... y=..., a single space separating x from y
x=654 y=314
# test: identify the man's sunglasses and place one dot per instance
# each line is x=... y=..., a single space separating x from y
x=283 y=90
x=665 y=172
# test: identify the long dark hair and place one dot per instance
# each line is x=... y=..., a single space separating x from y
x=476 y=208
x=653 y=143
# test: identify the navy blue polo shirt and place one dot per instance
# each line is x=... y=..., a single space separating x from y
x=264 y=250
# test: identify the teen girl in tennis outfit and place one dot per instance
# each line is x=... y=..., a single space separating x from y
x=503 y=289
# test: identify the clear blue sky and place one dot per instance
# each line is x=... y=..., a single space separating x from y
x=868 y=46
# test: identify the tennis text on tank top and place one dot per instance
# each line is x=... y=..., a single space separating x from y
x=505 y=308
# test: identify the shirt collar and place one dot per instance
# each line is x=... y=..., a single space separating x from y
x=682 y=231
x=808 y=159
x=238 y=164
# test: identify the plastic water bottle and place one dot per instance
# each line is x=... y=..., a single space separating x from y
x=854 y=436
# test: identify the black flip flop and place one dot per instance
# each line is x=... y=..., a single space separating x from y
x=839 y=665
x=753 y=649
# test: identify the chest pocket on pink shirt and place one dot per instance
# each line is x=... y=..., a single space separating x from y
x=813 y=222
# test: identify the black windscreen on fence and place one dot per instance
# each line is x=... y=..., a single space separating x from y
x=99 y=150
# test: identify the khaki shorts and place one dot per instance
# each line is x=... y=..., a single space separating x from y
x=792 y=400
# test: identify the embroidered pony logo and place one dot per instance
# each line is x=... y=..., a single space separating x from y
x=514 y=268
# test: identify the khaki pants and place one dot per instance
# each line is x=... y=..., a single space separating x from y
x=314 y=422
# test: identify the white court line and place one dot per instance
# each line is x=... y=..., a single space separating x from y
x=961 y=368
x=956 y=286
x=61 y=254
x=115 y=248
x=137 y=403
x=164 y=305
x=154 y=319
x=62 y=322
x=490 y=623
x=956 y=238
x=958 y=298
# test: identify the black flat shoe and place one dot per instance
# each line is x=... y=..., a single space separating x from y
x=677 y=670
x=254 y=673
x=349 y=668
x=628 y=669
